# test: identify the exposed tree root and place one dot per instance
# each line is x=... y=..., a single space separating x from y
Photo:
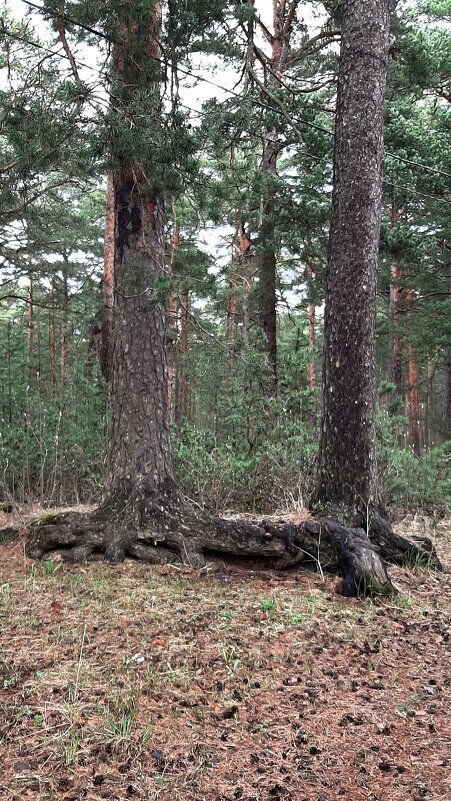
x=166 y=528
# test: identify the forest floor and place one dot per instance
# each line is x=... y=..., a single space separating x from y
x=136 y=682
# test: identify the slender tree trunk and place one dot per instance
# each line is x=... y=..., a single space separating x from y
x=172 y=312
x=30 y=327
x=247 y=280
x=232 y=299
x=52 y=340
x=347 y=477
x=311 y=369
x=413 y=405
x=106 y=352
x=171 y=337
x=395 y=353
x=267 y=262
x=429 y=411
x=181 y=412
x=283 y=18
x=64 y=320
x=447 y=403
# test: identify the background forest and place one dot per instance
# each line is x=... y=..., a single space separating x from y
x=245 y=160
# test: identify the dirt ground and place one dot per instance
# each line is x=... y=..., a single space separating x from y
x=135 y=682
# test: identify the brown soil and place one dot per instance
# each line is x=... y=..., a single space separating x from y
x=135 y=682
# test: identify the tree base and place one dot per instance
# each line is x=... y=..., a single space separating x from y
x=164 y=527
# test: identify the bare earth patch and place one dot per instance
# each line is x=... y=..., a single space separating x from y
x=136 y=682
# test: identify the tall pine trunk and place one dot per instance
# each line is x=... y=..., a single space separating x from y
x=106 y=350
x=64 y=321
x=447 y=366
x=30 y=328
x=395 y=352
x=347 y=477
x=181 y=407
x=171 y=315
x=283 y=18
x=138 y=445
x=412 y=402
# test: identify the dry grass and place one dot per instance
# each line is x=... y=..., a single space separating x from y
x=133 y=682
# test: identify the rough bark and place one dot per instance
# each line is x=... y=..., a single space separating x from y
x=347 y=479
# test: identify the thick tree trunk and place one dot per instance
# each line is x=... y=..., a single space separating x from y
x=143 y=515
x=106 y=352
x=347 y=478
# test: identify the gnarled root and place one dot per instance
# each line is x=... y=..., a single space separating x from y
x=166 y=528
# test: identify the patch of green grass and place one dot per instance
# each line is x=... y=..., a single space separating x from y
x=120 y=727
x=70 y=744
x=294 y=619
x=403 y=601
x=268 y=604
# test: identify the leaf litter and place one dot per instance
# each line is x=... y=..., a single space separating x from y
x=138 y=682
